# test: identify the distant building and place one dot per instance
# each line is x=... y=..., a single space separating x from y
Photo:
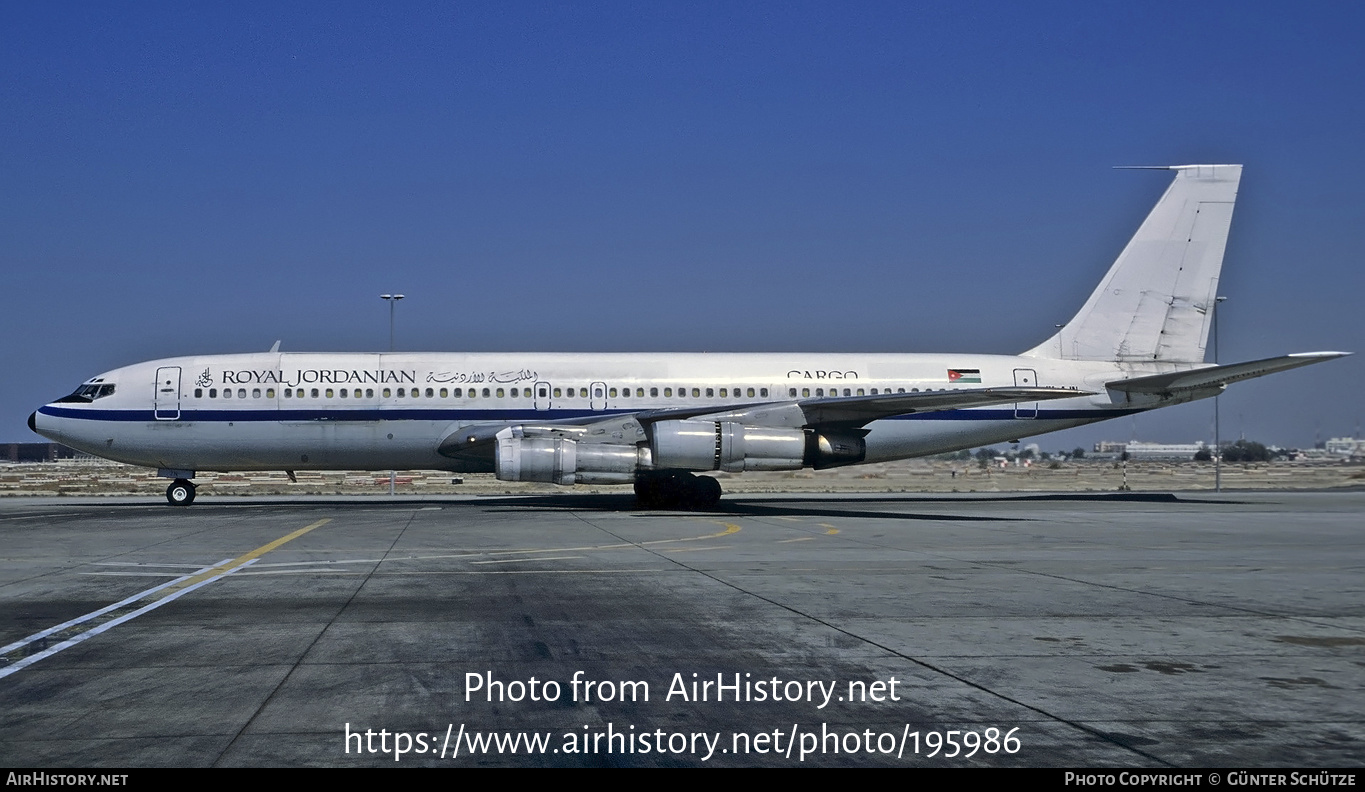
x=36 y=452
x=1345 y=446
x=1174 y=451
x=1139 y=450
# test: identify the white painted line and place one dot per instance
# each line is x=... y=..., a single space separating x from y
x=130 y=574
x=96 y=614
x=91 y=633
x=144 y=564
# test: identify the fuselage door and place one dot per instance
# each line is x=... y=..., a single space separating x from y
x=1025 y=378
x=598 y=393
x=542 y=396
x=166 y=399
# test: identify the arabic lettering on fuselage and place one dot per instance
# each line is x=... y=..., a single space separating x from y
x=503 y=377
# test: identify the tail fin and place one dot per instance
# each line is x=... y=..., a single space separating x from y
x=1156 y=300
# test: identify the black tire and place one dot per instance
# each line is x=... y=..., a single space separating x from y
x=666 y=490
x=707 y=492
x=180 y=493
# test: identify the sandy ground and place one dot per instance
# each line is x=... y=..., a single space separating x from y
x=87 y=478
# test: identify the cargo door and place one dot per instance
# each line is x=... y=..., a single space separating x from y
x=1025 y=378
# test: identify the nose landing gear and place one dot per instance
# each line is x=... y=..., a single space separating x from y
x=180 y=493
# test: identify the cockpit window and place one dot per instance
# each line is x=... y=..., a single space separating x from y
x=88 y=393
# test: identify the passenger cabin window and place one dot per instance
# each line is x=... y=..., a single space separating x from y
x=270 y=393
x=198 y=393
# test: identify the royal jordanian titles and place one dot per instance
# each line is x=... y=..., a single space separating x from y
x=657 y=420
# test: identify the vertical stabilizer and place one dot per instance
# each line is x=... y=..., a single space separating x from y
x=1156 y=301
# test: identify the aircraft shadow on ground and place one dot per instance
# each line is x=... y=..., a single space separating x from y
x=805 y=505
x=816 y=505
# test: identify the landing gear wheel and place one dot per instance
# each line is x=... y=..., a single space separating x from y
x=649 y=491
x=677 y=491
x=707 y=492
x=180 y=493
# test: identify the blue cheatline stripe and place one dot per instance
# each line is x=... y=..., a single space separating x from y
x=512 y=416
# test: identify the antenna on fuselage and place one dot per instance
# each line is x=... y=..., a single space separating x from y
x=276 y=347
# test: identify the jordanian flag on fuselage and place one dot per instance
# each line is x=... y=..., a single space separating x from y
x=964 y=376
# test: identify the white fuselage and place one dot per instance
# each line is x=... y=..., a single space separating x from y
x=298 y=411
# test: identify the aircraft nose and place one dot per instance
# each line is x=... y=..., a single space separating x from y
x=32 y=422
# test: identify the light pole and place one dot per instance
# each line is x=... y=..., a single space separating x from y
x=1217 y=434
x=392 y=300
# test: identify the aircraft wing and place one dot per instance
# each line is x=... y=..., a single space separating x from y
x=856 y=411
x=1218 y=376
x=860 y=410
x=847 y=412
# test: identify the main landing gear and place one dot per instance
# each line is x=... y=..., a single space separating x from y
x=180 y=493
x=676 y=490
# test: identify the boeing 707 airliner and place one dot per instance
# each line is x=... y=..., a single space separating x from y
x=657 y=420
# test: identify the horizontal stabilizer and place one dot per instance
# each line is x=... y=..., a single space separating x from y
x=1215 y=376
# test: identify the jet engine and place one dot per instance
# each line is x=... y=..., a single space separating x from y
x=735 y=447
x=564 y=461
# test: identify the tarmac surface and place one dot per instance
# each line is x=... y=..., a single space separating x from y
x=1083 y=630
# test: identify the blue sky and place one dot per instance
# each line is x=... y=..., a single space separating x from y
x=192 y=178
